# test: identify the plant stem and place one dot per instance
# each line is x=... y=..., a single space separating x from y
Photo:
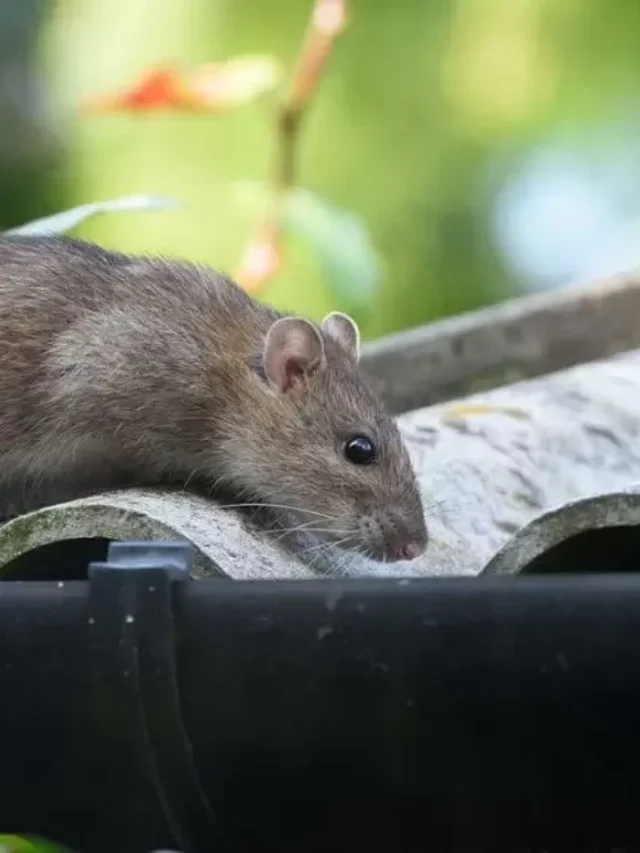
x=263 y=257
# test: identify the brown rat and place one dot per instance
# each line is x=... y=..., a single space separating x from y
x=122 y=370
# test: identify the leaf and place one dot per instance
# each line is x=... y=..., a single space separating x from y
x=214 y=87
x=65 y=221
x=340 y=242
x=24 y=844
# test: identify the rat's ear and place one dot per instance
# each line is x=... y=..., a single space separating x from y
x=344 y=330
x=293 y=348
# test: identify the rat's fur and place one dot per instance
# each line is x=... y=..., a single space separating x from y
x=118 y=370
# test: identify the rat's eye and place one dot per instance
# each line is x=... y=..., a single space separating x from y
x=360 y=450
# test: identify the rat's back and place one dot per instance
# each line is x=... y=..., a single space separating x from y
x=70 y=278
x=50 y=284
x=46 y=285
x=105 y=356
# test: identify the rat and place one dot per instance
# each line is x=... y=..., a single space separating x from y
x=130 y=370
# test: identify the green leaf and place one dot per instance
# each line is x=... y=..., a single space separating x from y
x=22 y=844
x=340 y=241
x=65 y=221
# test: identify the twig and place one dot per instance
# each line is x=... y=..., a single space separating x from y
x=262 y=257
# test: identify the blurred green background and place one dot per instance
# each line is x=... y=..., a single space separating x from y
x=490 y=146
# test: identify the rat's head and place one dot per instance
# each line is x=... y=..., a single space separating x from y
x=327 y=448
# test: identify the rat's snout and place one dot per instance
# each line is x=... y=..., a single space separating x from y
x=390 y=536
x=405 y=545
x=407 y=550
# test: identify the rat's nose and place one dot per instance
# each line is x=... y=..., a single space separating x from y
x=411 y=550
x=407 y=550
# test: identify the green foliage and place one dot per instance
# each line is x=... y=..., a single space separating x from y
x=34 y=844
x=28 y=844
x=428 y=113
x=341 y=244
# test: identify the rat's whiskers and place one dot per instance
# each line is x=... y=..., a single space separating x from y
x=305 y=528
x=264 y=505
x=324 y=548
